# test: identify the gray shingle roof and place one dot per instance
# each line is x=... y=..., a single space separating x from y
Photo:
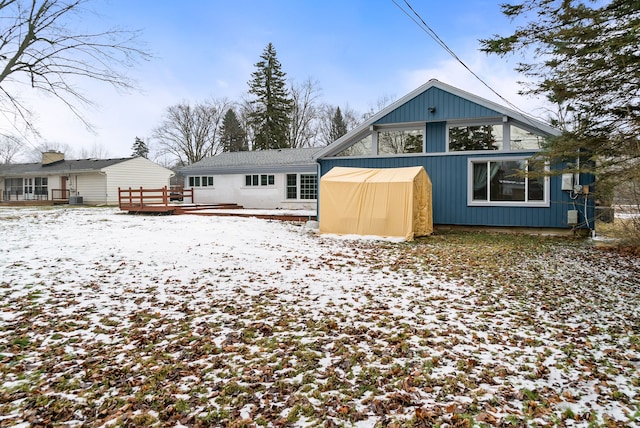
x=61 y=167
x=260 y=160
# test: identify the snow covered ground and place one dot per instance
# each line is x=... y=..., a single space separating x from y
x=108 y=318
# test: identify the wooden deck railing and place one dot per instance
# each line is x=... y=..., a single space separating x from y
x=19 y=195
x=151 y=200
x=60 y=195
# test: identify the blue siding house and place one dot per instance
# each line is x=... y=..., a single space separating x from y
x=476 y=154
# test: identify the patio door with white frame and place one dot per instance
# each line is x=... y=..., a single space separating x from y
x=28 y=189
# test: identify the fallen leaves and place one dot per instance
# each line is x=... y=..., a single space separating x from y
x=461 y=329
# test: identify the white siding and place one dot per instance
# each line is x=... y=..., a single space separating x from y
x=135 y=173
x=55 y=182
x=230 y=188
x=91 y=186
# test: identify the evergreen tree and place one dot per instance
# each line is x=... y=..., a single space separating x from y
x=234 y=138
x=272 y=104
x=140 y=148
x=413 y=144
x=472 y=138
x=583 y=58
x=338 y=125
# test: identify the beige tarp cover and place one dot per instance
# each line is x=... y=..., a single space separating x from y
x=389 y=202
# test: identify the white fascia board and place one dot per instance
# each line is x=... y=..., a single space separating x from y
x=513 y=114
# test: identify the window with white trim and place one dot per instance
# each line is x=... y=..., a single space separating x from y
x=503 y=136
x=13 y=186
x=292 y=186
x=521 y=139
x=362 y=147
x=506 y=181
x=259 y=180
x=400 y=141
x=477 y=137
x=42 y=186
x=308 y=188
x=201 y=181
x=388 y=140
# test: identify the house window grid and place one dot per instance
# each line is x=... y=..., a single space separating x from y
x=308 y=186
x=302 y=186
x=259 y=180
x=28 y=186
x=201 y=181
x=527 y=202
x=292 y=186
x=41 y=186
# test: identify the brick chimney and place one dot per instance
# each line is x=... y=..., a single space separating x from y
x=51 y=157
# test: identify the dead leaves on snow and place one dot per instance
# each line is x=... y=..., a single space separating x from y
x=434 y=332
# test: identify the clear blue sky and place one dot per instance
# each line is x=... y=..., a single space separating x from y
x=357 y=50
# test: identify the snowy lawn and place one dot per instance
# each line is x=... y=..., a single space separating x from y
x=113 y=319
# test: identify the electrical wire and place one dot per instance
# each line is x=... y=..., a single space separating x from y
x=421 y=23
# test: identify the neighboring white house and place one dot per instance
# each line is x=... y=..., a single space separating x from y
x=88 y=181
x=266 y=179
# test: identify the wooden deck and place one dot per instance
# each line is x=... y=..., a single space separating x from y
x=159 y=201
x=164 y=201
x=28 y=203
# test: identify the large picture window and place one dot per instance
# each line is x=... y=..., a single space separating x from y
x=400 y=141
x=481 y=137
x=308 y=188
x=506 y=182
x=13 y=185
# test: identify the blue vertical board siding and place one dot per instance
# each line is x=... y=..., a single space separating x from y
x=447 y=106
x=449 y=172
x=449 y=180
x=436 y=137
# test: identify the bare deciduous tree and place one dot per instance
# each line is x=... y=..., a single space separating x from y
x=303 y=127
x=10 y=148
x=382 y=102
x=191 y=133
x=35 y=154
x=39 y=50
x=96 y=151
x=326 y=119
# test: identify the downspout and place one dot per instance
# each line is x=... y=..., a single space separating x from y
x=318 y=171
